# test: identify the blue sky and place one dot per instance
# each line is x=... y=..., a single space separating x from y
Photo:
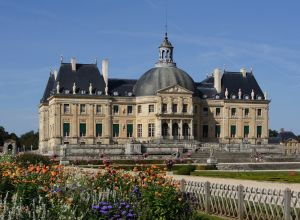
x=207 y=34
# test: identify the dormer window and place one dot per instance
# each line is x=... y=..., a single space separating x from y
x=259 y=97
x=99 y=92
x=217 y=97
x=115 y=93
x=246 y=97
x=233 y=96
x=67 y=91
x=82 y=92
x=129 y=93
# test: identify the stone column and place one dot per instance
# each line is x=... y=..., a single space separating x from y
x=74 y=124
x=170 y=129
x=108 y=122
x=158 y=129
x=180 y=130
x=191 y=125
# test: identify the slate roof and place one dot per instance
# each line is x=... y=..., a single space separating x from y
x=122 y=86
x=287 y=135
x=49 y=87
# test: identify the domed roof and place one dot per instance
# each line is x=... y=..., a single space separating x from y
x=162 y=77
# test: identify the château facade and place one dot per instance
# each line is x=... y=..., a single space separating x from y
x=82 y=106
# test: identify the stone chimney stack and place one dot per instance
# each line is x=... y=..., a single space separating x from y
x=243 y=72
x=73 y=63
x=217 y=80
x=105 y=74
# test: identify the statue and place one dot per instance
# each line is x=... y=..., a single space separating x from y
x=226 y=93
x=74 y=88
x=91 y=89
x=57 y=88
x=266 y=95
x=240 y=94
x=252 y=94
x=106 y=90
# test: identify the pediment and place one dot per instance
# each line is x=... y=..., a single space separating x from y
x=175 y=89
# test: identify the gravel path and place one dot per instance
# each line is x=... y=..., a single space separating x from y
x=246 y=183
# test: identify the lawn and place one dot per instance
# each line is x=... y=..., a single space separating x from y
x=202 y=216
x=274 y=176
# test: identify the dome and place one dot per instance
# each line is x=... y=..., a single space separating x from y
x=162 y=77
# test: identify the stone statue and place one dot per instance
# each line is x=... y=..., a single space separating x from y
x=57 y=88
x=252 y=94
x=266 y=95
x=106 y=90
x=91 y=89
x=240 y=94
x=226 y=93
x=74 y=88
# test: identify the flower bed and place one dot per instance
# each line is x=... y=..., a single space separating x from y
x=57 y=192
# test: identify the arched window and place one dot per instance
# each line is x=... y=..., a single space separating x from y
x=185 y=130
x=175 y=130
x=165 y=130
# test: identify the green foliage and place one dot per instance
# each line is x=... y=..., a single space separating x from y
x=29 y=139
x=30 y=158
x=207 y=167
x=7 y=158
x=185 y=170
x=273 y=133
x=4 y=135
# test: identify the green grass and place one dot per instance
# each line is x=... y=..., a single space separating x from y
x=202 y=216
x=274 y=176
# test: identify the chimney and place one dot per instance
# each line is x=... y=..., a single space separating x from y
x=105 y=74
x=217 y=80
x=73 y=63
x=243 y=72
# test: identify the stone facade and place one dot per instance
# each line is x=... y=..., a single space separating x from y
x=174 y=113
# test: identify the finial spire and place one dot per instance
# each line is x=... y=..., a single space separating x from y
x=166 y=25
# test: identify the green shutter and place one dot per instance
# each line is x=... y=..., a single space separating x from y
x=98 y=130
x=129 y=130
x=246 y=129
x=258 y=130
x=233 y=129
x=205 y=131
x=82 y=129
x=115 y=130
x=218 y=130
x=66 y=129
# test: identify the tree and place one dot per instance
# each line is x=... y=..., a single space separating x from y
x=273 y=133
x=4 y=135
x=29 y=139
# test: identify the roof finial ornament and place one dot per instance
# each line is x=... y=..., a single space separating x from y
x=224 y=66
x=96 y=61
x=251 y=69
x=61 y=58
x=166 y=25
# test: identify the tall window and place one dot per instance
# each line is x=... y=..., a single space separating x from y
x=233 y=112
x=116 y=109
x=205 y=131
x=139 y=109
x=195 y=109
x=164 y=108
x=218 y=111
x=258 y=131
x=129 y=130
x=129 y=109
x=205 y=111
x=217 y=131
x=184 y=108
x=82 y=129
x=116 y=130
x=151 y=108
x=151 y=130
x=139 y=130
x=246 y=131
x=259 y=114
x=66 y=129
x=232 y=131
x=174 y=108
x=195 y=130
x=98 y=109
x=66 y=108
x=82 y=108
x=98 y=130
x=246 y=112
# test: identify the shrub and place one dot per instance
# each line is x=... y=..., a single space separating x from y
x=29 y=158
x=6 y=158
x=186 y=170
x=207 y=167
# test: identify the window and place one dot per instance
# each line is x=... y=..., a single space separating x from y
x=129 y=130
x=115 y=130
x=151 y=130
x=139 y=130
x=246 y=131
x=164 y=108
x=66 y=108
x=98 y=130
x=129 y=109
x=205 y=111
x=195 y=130
x=66 y=129
x=195 y=109
x=184 y=108
x=139 y=109
x=233 y=112
x=98 y=109
x=259 y=112
x=217 y=131
x=82 y=129
x=174 y=108
x=116 y=109
x=232 y=131
x=151 y=108
x=246 y=113
x=82 y=108
x=205 y=131
x=258 y=131
x=218 y=111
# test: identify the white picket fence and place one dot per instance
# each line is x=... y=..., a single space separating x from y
x=243 y=203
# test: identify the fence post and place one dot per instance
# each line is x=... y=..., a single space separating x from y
x=287 y=204
x=240 y=198
x=207 y=196
x=182 y=185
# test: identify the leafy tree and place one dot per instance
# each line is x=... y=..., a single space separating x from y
x=273 y=133
x=4 y=135
x=29 y=139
